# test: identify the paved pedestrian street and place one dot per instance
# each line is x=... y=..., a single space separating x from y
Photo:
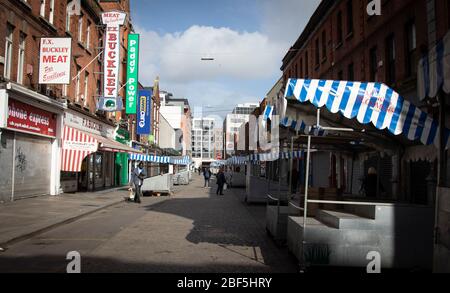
x=192 y=231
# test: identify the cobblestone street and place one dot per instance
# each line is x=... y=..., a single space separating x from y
x=192 y=231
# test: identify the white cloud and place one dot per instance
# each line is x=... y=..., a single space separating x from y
x=241 y=59
x=177 y=57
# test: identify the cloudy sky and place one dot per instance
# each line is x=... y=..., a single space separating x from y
x=247 y=40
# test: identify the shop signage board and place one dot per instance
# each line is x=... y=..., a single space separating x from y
x=113 y=20
x=26 y=118
x=83 y=146
x=88 y=124
x=143 y=112
x=132 y=73
x=55 y=60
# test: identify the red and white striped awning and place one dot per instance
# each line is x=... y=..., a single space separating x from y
x=77 y=144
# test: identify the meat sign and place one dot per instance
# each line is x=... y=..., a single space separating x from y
x=113 y=20
x=54 y=60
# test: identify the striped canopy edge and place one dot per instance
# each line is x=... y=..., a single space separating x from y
x=368 y=102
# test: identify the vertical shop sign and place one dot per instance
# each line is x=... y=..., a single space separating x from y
x=143 y=112
x=113 y=20
x=132 y=73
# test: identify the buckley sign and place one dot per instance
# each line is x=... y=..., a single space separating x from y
x=113 y=21
x=54 y=60
x=132 y=73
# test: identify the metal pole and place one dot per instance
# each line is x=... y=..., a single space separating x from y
x=290 y=165
x=84 y=68
x=279 y=187
x=351 y=178
x=305 y=205
x=318 y=117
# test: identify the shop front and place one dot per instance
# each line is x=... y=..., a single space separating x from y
x=29 y=132
x=121 y=159
x=89 y=153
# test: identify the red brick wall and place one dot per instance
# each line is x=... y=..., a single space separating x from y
x=368 y=32
x=25 y=17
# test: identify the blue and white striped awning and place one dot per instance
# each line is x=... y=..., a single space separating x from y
x=160 y=159
x=268 y=112
x=433 y=71
x=301 y=127
x=235 y=160
x=263 y=157
x=218 y=163
x=185 y=160
x=368 y=102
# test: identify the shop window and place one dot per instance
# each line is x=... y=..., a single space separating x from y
x=80 y=28
x=68 y=18
x=390 y=59
x=339 y=28
x=349 y=17
x=21 y=58
x=42 y=8
x=98 y=166
x=411 y=63
x=8 y=50
x=351 y=72
x=324 y=45
x=317 y=53
x=88 y=35
x=52 y=8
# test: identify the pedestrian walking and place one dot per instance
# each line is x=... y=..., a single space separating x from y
x=139 y=175
x=221 y=181
x=229 y=177
x=207 y=176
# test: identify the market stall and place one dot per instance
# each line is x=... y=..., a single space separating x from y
x=324 y=237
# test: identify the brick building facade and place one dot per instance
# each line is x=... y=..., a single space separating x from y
x=341 y=41
x=24 y=22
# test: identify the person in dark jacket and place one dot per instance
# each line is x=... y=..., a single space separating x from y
x=207 y=176
x=221 y=180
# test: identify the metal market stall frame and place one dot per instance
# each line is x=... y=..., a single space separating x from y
x=397 y=232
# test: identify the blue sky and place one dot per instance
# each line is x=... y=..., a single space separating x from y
x=247 y=39
x=171 y=15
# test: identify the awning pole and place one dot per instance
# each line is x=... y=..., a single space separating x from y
x=305 y=204
x=318 y=117
x=290 y=165
x=279 y=186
